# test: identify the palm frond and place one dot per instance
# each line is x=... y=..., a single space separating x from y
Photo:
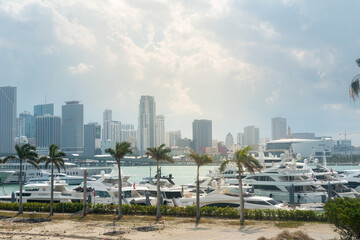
x=224 y=163
x=7 y=158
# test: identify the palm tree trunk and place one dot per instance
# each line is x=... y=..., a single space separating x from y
x=158 y=213
x=52 y=190
x=242 y=220
x=120 y=191
x=197 y=196
x=20 y=193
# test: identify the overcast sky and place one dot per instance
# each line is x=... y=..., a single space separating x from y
x=238 y=63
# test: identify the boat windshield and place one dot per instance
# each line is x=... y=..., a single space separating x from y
x=273 y=202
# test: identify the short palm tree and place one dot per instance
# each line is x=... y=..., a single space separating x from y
x=355 y=85
x=121 y=149
x=200 y=160
x=55 y=158
x=243 y=161
x=159 y=154
x=27 y=153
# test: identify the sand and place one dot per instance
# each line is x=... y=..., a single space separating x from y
x=64 y=226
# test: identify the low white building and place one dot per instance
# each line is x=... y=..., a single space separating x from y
x=306 y=147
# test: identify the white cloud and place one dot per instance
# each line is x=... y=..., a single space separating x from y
x=79 y=69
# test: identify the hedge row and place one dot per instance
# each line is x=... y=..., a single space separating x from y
x=188 y=211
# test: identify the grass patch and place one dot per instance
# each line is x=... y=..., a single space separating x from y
x=289 y=224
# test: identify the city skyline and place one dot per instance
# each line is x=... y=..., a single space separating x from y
x=236 y=63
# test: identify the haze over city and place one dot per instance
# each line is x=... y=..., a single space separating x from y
x=237 y=63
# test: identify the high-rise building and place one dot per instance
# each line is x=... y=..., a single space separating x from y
x=128 y=134
x=107 y=119
x=146 y=127
x=229 y=142
x=251 y=135
x=42 y=109
x=240 y=139
x=30 y=124
x=172 y=138
x=48 y=130
x=72 y=134
x=278 y=128
x=159 y=130
x=20 y=127
x=92 y=139
x=7 y=119
x=202 y=135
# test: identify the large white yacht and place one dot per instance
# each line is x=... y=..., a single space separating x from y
x=4 y=175
x=352 y=177
x=71 y=180
x=277 y=182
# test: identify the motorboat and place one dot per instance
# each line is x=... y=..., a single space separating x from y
x=40 y=192
x=71 y=180
x=228 y=196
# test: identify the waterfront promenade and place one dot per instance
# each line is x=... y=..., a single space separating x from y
x=63 y=226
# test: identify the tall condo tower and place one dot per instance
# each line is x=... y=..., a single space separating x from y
x=72 y=134
x=92 y=139
x=160 y=130
x=251 y=135
x=7 y=119
x=47 y=131
x=146 y=127
x=278 y=128
x=111 y=129
x=202 y=135
x=229 y=142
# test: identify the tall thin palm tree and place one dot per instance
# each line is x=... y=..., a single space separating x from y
x=200 y=160
x=159 y=154
x=121 y=149
x=243 y=161
x=55 y=158
x=355 y=85
x=27 y=153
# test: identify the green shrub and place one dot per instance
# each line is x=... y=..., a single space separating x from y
x=344 y=213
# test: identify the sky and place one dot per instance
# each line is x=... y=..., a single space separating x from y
x=237 y=63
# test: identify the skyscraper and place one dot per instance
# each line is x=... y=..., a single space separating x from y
x=42 y=109
x=20 y=127
x=278 y=128
x=146 y=127
x=72 y=134
x=30 y=124
x=92 y=139
x=251 y=135
x=202 y=135
x=48 y=130
x=229 y=142
x=7 y=119
x=160 y=130
x=240 y=139
x=128 y=134
x=172 y=138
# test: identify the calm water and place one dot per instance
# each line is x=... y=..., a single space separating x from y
x=182 y=174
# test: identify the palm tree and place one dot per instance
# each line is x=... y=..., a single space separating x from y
x=27 y=153
x=355 y=85
x=159 y=153
x=121 y=149
x=55 y=158
x=200 y=160
x=243 y=161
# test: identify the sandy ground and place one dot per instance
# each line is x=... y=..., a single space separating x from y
x=95 y=226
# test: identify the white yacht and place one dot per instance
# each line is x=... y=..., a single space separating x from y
x=277 y=181
x=352 y=177
x=71 y=180
x=228 y=196
x=4 y=175
x=29 y=171
x=40 y=192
